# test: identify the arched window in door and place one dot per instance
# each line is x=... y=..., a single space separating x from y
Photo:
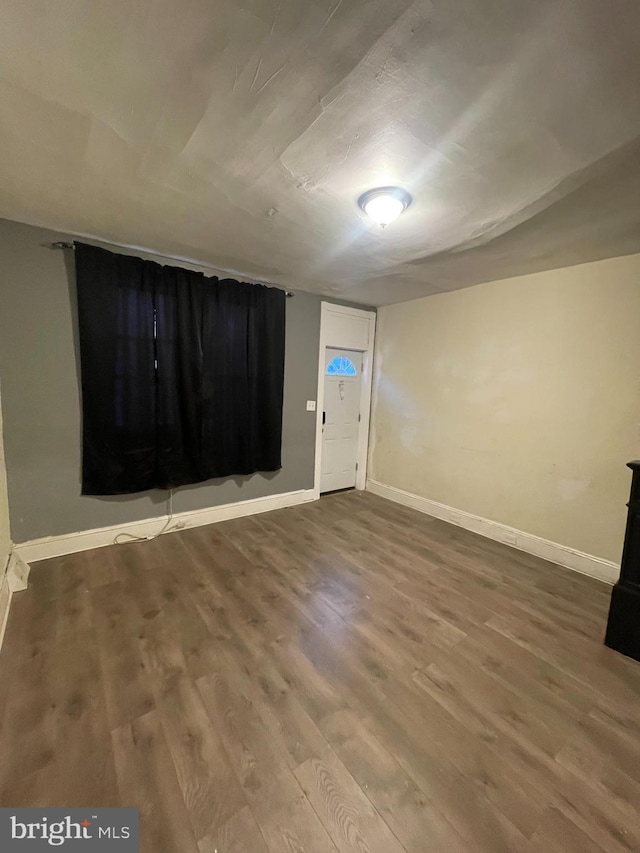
x=341 y=366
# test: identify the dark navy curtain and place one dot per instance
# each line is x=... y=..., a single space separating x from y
x=182 y=375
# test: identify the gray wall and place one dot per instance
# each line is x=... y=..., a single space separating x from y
x=41 y=401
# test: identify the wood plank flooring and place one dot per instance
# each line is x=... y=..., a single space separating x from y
x=347 y=676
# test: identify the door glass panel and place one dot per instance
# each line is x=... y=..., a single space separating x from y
x=341 y=366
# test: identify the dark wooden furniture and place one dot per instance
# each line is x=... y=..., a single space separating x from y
x=623 y=626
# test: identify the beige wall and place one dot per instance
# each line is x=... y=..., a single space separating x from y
x=5 y=540
x=517 y=400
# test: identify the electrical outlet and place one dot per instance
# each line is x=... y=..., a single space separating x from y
x=180 y=525
x=509 y=538
x=311 y=405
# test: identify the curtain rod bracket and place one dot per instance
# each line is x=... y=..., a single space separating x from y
x=61 y=244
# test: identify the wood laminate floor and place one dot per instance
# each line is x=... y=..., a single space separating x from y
x=348 y=675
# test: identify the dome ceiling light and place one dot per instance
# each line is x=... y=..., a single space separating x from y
x=384 y=204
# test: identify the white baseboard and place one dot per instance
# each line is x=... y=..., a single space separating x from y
x=70 y=543
x=17 y=572
x=5 y=604
x=586 y=564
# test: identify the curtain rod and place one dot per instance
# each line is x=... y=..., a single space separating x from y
x=61 y=244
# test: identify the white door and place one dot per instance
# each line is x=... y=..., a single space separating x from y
x=341 y=419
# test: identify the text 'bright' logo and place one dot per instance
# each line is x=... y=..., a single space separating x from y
x=70 y=830
x=55 y=833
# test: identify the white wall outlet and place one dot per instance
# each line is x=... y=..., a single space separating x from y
x=311 y=405
x=509 y=538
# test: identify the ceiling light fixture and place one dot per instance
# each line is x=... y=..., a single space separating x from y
x=384 y=204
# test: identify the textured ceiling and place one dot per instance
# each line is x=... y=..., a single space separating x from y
x=241 y=132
